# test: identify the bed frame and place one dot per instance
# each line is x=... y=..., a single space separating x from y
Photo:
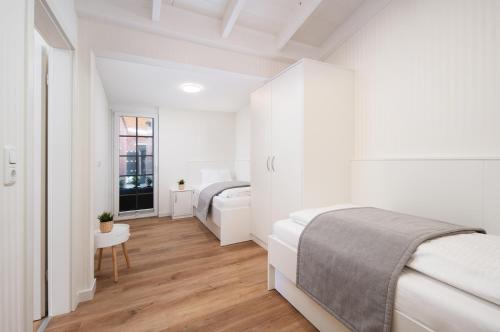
x=282 y=267
x=235 y=224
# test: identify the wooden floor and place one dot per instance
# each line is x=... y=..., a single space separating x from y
x=182 y=280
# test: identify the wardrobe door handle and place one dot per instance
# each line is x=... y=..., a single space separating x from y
x=175 y=197
x=267 y=165
x=272 y=164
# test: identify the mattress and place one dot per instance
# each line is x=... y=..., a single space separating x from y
x=436 y=305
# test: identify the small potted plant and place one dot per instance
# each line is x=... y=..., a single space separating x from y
x=106 y=222
x=181 y=184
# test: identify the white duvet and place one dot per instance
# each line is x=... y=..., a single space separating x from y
x=470 y=262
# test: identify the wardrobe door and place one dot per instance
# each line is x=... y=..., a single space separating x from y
x=260 y=161
x=287 y=143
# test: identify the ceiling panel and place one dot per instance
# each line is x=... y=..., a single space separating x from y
x=267 y=15
x=211 y=8
x=329 y=15
x=130 y=83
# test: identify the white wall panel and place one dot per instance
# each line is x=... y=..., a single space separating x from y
x=16 y=22
x=427 y=112
x=465 y=192
x=427 y=80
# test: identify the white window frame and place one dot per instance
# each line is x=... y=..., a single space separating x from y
x=116 y=167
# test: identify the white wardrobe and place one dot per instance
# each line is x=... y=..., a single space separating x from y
x=302 y=142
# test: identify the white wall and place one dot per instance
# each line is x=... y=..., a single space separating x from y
x=242 y=144
x=103 y=149
x=16 y=58
x=188 y=141
x=427 y=114
x=427 y=80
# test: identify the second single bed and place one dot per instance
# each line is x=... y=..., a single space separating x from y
x=428 y=296
x=226 y=206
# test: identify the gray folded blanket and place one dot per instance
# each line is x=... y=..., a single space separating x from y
x=349 y=261
x=207 y=195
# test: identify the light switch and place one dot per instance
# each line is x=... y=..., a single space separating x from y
x=12 y=156
x=9 y=167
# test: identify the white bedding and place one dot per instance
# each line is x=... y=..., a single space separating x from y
x=436 y=304
x=470 y=262
x=229 y=198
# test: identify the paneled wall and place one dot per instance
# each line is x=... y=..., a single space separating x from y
x=16 y=27
x=427 y=109
x=465 y=192
x=427 y=80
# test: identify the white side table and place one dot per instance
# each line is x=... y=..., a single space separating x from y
x=118 y=235
x=181 y=202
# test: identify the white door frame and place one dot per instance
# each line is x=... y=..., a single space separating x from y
x=116 y=170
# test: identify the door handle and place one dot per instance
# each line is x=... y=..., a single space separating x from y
x=267 y=164
x=175 y=197
x=272 y=164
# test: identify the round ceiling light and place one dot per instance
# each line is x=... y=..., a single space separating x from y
x=191 y=87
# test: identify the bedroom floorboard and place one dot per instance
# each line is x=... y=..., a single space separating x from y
x=182 y=280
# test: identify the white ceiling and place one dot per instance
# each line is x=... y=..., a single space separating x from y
x=132 y=83
x=329 y=15
x=272 y=16
x=281 y=29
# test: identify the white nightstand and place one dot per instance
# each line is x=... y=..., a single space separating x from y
x=181 y=202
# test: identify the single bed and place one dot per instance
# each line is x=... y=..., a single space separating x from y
x=229 y=215
x=422 y=303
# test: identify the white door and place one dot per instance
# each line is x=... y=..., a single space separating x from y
x=287 y=143
x=260 y=162
x=59 y=132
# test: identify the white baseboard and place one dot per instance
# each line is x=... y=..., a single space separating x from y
x=163 y=215
x=87 y=294
x=258 y=241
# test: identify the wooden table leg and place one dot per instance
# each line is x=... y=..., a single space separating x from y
x=125 y=253
x=100 y=260
x=115 y=264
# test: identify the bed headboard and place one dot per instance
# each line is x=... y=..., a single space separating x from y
x=195 y=167
x=465 y=192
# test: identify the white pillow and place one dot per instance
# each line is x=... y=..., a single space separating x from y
x=209 y=176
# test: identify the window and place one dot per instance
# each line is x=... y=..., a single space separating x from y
x=136 y=160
